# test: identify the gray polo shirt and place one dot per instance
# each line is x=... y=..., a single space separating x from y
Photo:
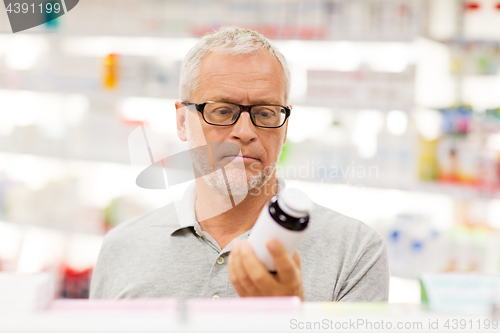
x=165 y=254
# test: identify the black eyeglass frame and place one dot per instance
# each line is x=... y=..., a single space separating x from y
x=243 y=108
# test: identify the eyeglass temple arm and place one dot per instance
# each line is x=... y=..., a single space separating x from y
x=198 y=107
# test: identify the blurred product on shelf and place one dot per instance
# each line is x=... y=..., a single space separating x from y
x=467 y=151
x=111 y=71
x=456 y=120
x=493 y=115
x=412 y=244
x=428 y=166
x=474 y=57
x=415 y=246
x=462 y=293
x=75 y=283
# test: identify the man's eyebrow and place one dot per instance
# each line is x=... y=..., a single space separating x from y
x=231 y=100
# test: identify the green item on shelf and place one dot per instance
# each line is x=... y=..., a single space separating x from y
x=423 y=295
x=460 y=292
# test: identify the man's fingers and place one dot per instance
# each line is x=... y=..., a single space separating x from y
x=254 y=268
x=233 y=274
x=240 y=276
x=296 y=259
x=285 y=266
x=250 y=278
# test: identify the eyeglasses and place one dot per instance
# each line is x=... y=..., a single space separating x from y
x=227 y=114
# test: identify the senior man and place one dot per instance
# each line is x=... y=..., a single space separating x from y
x=235 y=89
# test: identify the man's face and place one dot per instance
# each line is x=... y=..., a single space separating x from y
x=248 y=80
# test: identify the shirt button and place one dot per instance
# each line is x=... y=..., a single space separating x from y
x=220 y=260
x=215 y=297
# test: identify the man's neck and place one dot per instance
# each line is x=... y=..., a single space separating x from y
x=230 y=222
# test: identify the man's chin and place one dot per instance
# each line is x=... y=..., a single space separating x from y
x=240 y=182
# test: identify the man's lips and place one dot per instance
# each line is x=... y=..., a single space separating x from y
x=242 y=157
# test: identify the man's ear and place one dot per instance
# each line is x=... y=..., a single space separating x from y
x=180 y=113
x=286 y=126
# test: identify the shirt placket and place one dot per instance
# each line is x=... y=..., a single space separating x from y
x=219 y=275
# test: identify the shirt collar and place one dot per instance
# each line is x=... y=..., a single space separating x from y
x=185 y=207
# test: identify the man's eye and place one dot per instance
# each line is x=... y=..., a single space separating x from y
x=222 y=111
x=266 y=113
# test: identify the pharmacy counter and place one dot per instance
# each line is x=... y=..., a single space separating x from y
x=278 y=314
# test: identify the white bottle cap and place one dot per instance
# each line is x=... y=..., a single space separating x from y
x=294 y=202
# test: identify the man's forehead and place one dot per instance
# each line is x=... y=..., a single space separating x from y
x=259 y=72
x=222 y=57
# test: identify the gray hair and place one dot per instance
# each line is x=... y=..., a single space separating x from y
x=232 y=40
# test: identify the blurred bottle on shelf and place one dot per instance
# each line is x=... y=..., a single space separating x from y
x=428 y=167
x=111 y=68
x=416 y=247
x=459 y=159
x=456 y=120
x=412 y=245
x=75 y=283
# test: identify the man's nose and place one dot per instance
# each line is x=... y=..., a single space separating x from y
x=244 y=129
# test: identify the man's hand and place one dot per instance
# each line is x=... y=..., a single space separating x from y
x=250 y=278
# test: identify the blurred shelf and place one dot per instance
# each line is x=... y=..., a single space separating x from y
x=195 y=37
x=48 y=227
x=94 y=95
x=456 y=190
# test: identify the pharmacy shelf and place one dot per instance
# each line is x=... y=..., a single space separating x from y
x=455 y=190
